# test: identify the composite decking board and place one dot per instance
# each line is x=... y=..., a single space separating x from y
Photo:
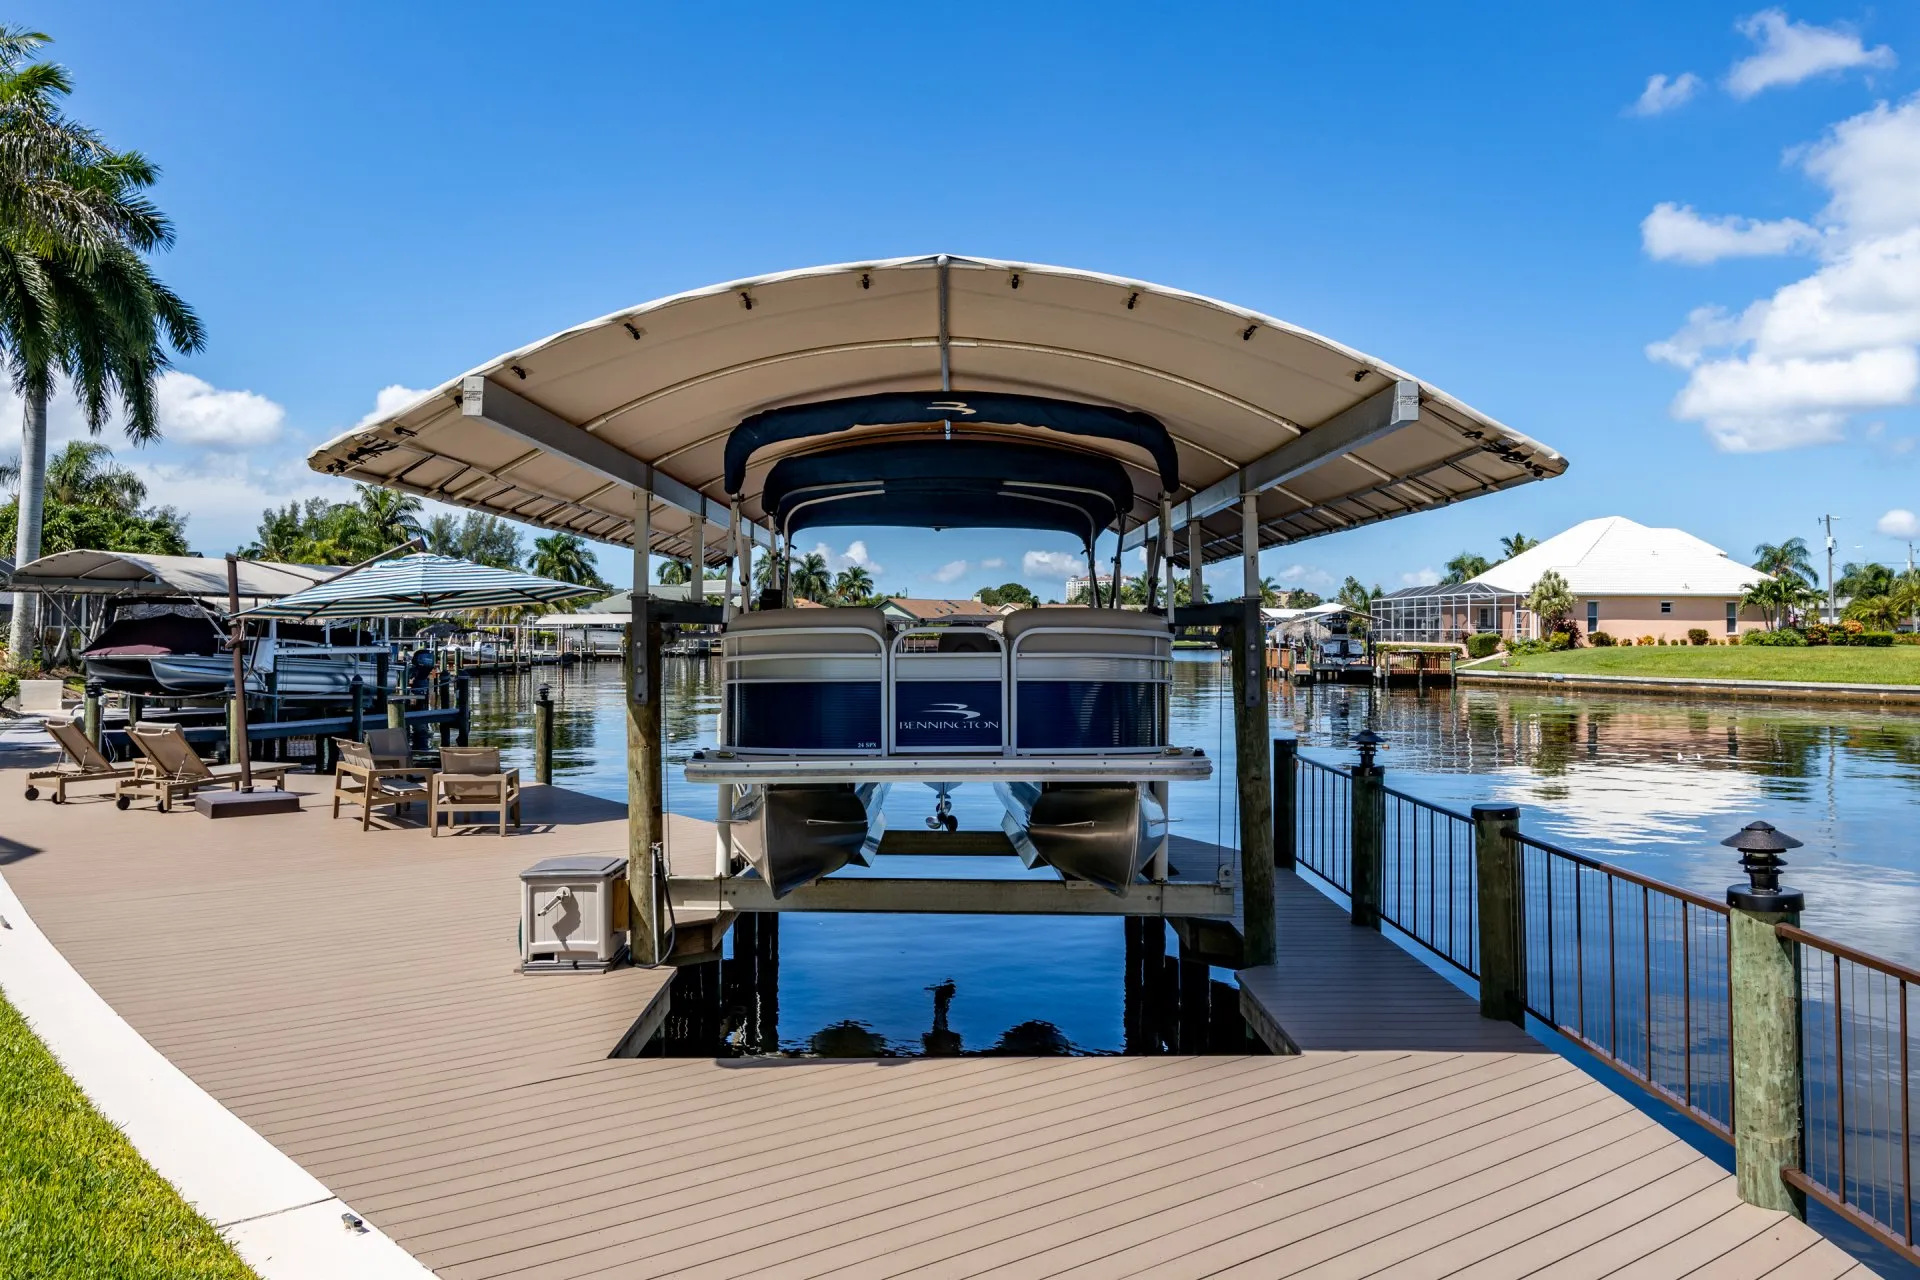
x=753 y=1196
x=1387 y=999
x=970 y=1213
x=354 y=997
x=1280 y=1176
x=886 y=1175
x=1188 y=1187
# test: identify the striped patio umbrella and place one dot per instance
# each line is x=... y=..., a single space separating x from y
x=417 y=586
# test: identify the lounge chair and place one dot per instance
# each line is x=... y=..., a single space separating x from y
x=471 y=778
x=176 y=769
x=361 y=778
x=84 y=763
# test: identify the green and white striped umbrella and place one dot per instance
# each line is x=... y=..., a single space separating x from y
x=417 y=586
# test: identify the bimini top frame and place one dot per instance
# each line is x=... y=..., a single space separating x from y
x=561 y=432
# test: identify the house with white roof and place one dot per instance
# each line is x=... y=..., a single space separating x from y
x=1627 y=579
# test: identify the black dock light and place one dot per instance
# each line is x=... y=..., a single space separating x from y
x=1368 y=742
x=1760 y=846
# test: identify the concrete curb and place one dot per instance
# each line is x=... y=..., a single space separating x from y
x=281 y=1219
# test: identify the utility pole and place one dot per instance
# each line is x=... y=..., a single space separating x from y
x=1833 y=608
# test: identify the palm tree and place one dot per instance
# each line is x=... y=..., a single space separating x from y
x=1880 y=612
x=1271 y=596
x=1466 y=565
x=76 y=296
x=1354 y=598
x=811 y=581
x=854 y=584
x=1551 y=601
x=1868 y=579
x=1789 y=557
x=564 y=557
x=385 y=517
x=84 y=475
x=671 y=573
x=1513 y=546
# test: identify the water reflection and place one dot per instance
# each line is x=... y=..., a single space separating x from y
x=731 y=1007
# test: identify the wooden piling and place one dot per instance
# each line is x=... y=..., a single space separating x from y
x=1368 y=824
x=645 y=783
x=357 y=717
x=543 y=737
x=91 y=715
x=396 y=713
x=1502 y=920
x=1767 y=1083
x=1251 y=745
x=463 y=698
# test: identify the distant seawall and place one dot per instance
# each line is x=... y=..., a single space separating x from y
x=1808 y=691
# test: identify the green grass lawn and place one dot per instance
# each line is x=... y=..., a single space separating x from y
x=1846 y=665
x=76 y=1200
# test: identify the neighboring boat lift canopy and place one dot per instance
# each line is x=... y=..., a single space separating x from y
x=560 y=433
x=118 y=573
x=420 y=585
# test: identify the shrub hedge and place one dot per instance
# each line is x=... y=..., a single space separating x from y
x=1698 y=635
x=1785 y=637
x=1601 y=640
x=1482 y=645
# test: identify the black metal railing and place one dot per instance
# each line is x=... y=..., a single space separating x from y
x=1639 y=974
x=1858 y=1053
x=1323 y=810
x=1429 y=883
x=1634 y=971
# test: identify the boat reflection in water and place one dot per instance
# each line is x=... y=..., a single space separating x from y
x=730 y=1008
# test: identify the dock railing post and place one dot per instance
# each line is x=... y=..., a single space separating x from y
x=543 y=737
x=1367 y=825
x=1765 y=1022
x=1502 y=941
x=380 y=679
x=463 y=699
x=397 y=711
x=1286 y=831
x=357 y=717
x=91 y=716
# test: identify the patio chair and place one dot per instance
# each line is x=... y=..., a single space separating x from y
x=84 y=763
x=390 y=748
x=175 y=769
x=470 y=778
x=361 y=778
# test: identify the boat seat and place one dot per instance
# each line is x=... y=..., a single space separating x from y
x=754 y=624
x=1123 y=631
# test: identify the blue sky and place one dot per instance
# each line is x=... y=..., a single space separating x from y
x=1499 y=201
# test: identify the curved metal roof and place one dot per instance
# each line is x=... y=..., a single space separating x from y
x=557 y=432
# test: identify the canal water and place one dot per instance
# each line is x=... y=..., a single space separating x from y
x=1653 y=784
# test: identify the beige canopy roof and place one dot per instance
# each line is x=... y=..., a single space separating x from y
x=127 y=574
x=558 y=433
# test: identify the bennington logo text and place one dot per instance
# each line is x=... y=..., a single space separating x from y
x=954 y=715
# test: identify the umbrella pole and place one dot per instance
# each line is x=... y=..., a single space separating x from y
x=238 y=643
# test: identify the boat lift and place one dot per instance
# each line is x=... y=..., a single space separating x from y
x=661 y=427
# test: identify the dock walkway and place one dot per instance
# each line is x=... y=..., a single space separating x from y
x=354 y=998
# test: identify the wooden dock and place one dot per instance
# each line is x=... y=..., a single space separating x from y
x=354 y=998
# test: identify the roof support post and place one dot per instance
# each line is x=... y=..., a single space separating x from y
x=645 y=782
x=1250 y=547
x=734 y=553
x=1196 y=589
x=1165 y=540
x=697 y=560
x=521 y=418
x=1379 y=415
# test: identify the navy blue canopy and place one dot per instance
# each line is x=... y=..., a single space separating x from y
x=962 y=408
x=949 y=484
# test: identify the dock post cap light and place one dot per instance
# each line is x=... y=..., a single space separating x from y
x=1368 y=742
x=1760 y=845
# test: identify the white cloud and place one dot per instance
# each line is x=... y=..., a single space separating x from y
x=1420 y=578
x=1053 y=564
x=856 y=553
x=1791 y=368
x=1303 y=575
x=1794 y=51
x=1675 y=233
x=388 y=400
x=1899 y=523
x=1662 y=94
x=950 y=571
x=223 y=494
x=993 y=562
x=193 y=411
